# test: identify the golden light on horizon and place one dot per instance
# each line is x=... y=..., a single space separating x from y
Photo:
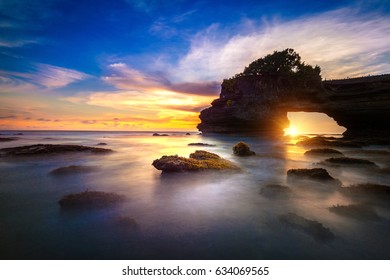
x=291 y=131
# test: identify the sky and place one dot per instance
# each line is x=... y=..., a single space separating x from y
x=154 y=65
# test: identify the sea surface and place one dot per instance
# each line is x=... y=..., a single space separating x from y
x=202 y=215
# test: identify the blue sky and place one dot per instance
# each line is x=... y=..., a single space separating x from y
x=127 y=64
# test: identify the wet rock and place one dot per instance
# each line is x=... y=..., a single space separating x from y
x=313 y=174
x=201 y=144
x=313 y=228
x=200 y=160
x=368 y=189
x=349 y=161
x=91 y=199
x=356 y=211
x=8 y=139
x=274 y=190
x=158 y=134
x=320 y=141
x=49 y=149
x=72 y=169
x=324 y=151
x=242 y=149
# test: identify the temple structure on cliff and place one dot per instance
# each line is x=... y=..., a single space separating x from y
x=248 y=105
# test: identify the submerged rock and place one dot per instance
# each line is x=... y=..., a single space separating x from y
x=368 y=189
x=324 y=151
x=201 y=144
x=273 y=190
x=349 y=161
x=49 y=149
x=242 y=149
x=8 y=139
x=71 y=169
x=356 y=211
x=200 y=160
x=313 y=228
x=313 y=174
x=91 y=199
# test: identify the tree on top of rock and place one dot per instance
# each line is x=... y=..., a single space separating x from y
x=284 y=68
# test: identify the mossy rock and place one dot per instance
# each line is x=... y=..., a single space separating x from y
x=91 y=199
x=198 y=161
x=356 y=211
x=50 y=149
x=313 y=228
x=242 y=149
x=324 y=151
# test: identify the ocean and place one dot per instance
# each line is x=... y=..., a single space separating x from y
x=201 y=215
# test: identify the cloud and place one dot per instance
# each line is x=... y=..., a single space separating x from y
x=16 y=43
x=343 y=42
x=167 y=27
x=55 y=77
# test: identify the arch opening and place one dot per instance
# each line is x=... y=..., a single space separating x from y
x=312 y=123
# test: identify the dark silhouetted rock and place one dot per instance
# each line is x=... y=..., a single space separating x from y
x=350 y=161
x=201 y=144
x=158 y=134
x=91 y=199
x=274 y=190
x=200 y=160
x=72 y=169
x=313 y=228
x=48 y=149
x=324 y=151
x=356 y=211
x=313 y=174
x=8 y=139
x=242 y=149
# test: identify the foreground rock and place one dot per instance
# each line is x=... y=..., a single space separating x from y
x=72 y=169
x=91 y=199
x=312 y=174
x=324 y=151
x=242 y=149
x=49 y=149
x=274 y=190
x=356 y=211
x=349 y=161
x=368 y=189
x=313 y=228
x=200 y=160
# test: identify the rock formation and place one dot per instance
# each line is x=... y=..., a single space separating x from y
x=251 y=105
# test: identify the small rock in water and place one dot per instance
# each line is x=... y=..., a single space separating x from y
x=368 y=189
x=242 y=149
x=72 y=169
x=158 y=134
x=350 y=161
x=314 y=174
x=313 y=228
x=101 y=144
x=49 y=149
x=324 y=151
x=356 y=211
x=201 y=144
x=91 y=199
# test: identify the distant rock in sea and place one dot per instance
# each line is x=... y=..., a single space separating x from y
x=324 y=151
x=101 y=144
x=201 y=144
x=313 y=174
x=198 y=161
x=350 y=161
x=158 y=134
x=49 y=149
x=72 y=169
x=8 y=139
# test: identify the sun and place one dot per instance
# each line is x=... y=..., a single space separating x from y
x=291 y=131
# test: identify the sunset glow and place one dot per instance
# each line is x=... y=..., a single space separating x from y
x=160 y=73
x=291 y=131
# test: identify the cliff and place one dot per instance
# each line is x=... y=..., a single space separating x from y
x=251 y=105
